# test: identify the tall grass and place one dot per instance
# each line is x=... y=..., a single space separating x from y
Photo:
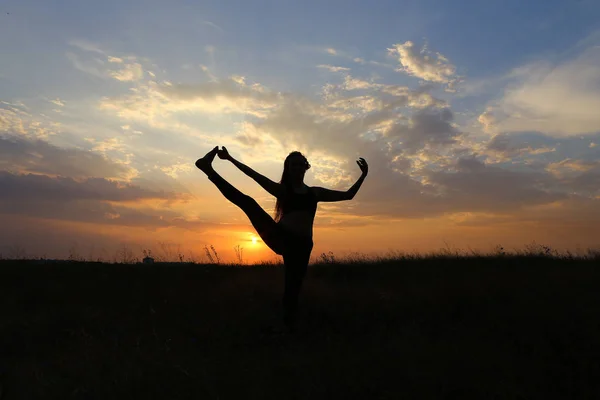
x=173 y=253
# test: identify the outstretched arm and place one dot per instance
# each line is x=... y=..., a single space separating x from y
x=337 y=195
x=273 y=188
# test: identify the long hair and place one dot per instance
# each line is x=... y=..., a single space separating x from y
x=286 y=181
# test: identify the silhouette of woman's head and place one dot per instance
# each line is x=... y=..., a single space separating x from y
x=294 y=168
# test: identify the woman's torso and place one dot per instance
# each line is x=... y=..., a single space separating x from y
x=299 y=222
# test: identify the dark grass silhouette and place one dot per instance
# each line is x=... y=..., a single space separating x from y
x=441 y=327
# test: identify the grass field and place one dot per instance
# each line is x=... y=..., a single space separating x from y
x=495 y=327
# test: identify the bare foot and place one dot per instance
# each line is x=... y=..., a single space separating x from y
x=205 y=162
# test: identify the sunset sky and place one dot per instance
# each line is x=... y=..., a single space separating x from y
x=480 y=121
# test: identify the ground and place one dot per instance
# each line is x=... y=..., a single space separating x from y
x=435 y=328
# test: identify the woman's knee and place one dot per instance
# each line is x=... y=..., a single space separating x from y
x=246 y=201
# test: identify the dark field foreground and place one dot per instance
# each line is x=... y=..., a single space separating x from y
x=470 y=328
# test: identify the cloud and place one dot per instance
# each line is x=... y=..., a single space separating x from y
x=362 y=61
x=422 y=64
x=130 y=72
x=569 y=165
x=573 y=214
x=333 y=68
x=58 y=102
x=96 y=212
x=152 y=102
x=11 y=121
x=175 y=169
x=488 y=120
x=234 y=88
x=362 y=103
x=89 y=67
x=430 y=126
x=18 y=154
x=586 y=184
x=91 y=200
x=213 y=25
x=560 y=99
x=476 y=186
x=248 y=136
x=21 y=187
x=86 y=46
x=351 y=83
x=504 y=146
x=124 y=69
x=102 y=146
x=577 y=176
x=325 y=222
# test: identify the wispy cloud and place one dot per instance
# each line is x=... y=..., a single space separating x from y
x=130 y=72
x=124 y=69
x=424 y=64
x=333 y=68
x=87 y=46
x=557 y=98
x=90 y=68
x=58 y=102
x=213 y=25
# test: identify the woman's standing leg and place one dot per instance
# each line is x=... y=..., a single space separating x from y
x=296 y=263
x=265 y=226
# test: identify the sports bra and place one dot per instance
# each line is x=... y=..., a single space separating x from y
x=299 y=201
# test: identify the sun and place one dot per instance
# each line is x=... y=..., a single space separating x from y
x=254 y=240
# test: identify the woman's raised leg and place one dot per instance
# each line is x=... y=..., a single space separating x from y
x=264 y=224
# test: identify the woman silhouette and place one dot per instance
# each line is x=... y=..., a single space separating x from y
x=289 y=234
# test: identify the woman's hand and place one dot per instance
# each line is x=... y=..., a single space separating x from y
x=362 y=163
x=223 y=154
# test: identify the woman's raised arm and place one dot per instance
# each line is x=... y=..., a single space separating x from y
x=273 y=188
x=328 y=195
